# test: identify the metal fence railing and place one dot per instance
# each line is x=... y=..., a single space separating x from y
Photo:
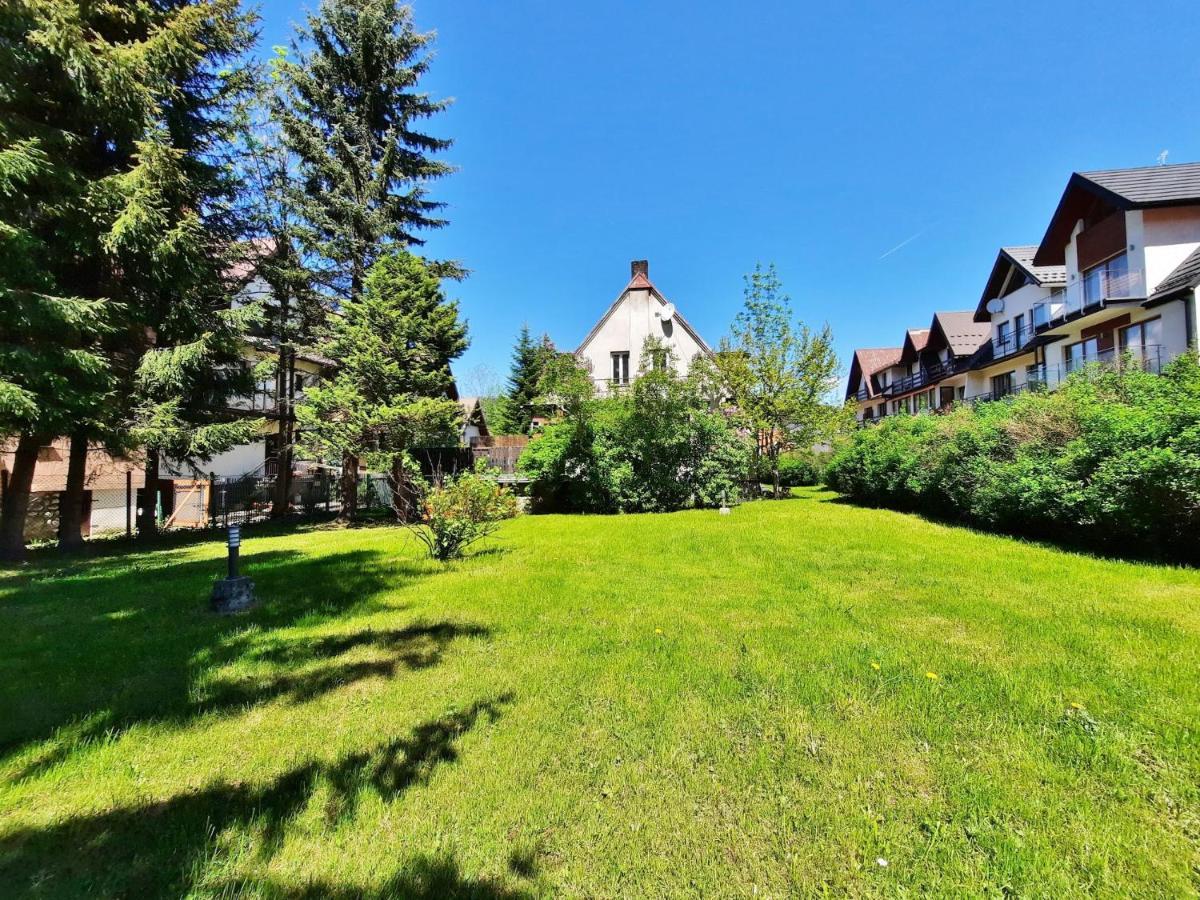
x=181 y=504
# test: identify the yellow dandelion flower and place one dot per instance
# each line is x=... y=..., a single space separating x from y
x=658 y=631
x=1075 y=705
x=875 y=666
x=932 y=676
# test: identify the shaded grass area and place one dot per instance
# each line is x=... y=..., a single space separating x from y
x=800 y=698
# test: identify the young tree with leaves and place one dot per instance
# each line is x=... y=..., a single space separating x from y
x=350 y=110
x=777 y=372
x=391 y=393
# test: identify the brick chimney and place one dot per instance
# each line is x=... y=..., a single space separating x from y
x=639 y=267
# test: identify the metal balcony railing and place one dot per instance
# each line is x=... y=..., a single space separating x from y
x=923 y=378
x=1095 y=290
x=1013 y=341
x=1041 y=377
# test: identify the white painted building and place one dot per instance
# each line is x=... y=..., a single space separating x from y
x=1114 y=281
x=612 y=350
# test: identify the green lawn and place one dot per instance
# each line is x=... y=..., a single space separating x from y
x=801 y=698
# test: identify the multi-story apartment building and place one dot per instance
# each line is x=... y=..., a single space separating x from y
x=1114 y=281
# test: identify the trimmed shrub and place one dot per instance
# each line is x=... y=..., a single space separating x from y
x=461 y=511
x=655 y=449
x=1111 y=459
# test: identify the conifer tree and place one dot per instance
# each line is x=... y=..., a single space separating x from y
x=294 y=313
x=529 y=361
x=351 y=110
x=122 y=206
x=392 y=390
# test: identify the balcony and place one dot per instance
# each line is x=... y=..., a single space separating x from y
x=1097 y=289
x=923 y=378
x=1150 y=358
x=862 y=394
x=1013 y=342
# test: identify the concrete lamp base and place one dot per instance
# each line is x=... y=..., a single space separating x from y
x=232 y=595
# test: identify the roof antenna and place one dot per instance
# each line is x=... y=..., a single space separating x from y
x=1162 y=157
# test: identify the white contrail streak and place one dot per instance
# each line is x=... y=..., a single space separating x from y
x=903 y=243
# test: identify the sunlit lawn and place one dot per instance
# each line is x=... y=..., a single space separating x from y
x=801 y=698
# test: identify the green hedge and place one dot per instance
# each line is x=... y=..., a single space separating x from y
x=1110 y=460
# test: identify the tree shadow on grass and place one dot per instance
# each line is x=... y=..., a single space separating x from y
x=88 y=655
x=421 y=878
x=162 y=848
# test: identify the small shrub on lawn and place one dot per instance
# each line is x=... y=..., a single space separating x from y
x=461 y=511
x=1111 y=459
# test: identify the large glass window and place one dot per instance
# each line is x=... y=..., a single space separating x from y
x=1107 y=280
x=1143 y=341
x=1076 y=356
x=1004 y=337
x=1019 y=335
x=1002 y=385
x=1040 y=316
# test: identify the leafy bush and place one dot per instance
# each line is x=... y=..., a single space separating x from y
x=796 y=469
x=461 y=511
x=657 y=447
x=1111 y=459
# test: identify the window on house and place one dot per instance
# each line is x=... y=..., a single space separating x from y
x=1019 y=330
x=1143 y=341
x=1040 y=315
x=620 y=368
x=1002 y=385
x=1004 y=337
x=1079 y=354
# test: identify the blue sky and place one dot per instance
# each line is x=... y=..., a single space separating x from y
x=877 y=153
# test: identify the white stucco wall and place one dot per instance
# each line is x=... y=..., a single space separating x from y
x=233 y=463
x=1169 y=235
x=626 y=329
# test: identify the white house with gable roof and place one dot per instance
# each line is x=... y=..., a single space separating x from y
x=612 y=350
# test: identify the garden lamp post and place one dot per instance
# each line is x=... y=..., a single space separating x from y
x=235 y=592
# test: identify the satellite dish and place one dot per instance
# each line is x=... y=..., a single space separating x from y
x=667 y=313
x=995 y=306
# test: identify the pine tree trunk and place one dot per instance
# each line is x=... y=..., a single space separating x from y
x=70 y=513
x=147 y=525
x=16 y=499
x=285 y=390
x=403 y=495
x=349 y=509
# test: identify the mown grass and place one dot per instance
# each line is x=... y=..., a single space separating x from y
x=682 y=704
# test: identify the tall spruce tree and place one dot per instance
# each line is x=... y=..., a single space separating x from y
x=173 y=239
x=294 y=313
x=350 y=109
x=53 y=377
x=391 y=393
x=126 y=110
x=529 y=361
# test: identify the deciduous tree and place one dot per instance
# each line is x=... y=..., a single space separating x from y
x=777 y=372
